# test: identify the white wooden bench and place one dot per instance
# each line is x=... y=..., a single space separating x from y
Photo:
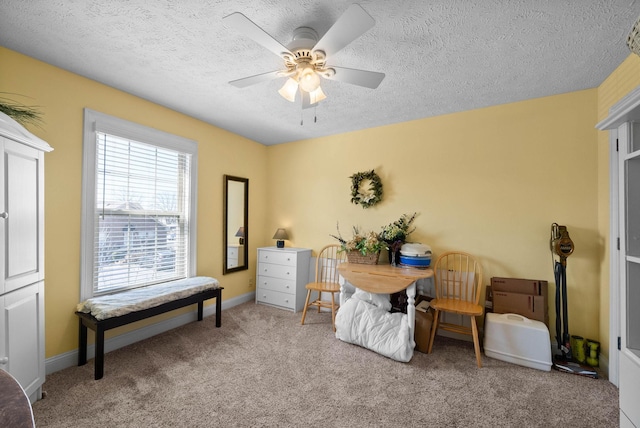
x=106 y=312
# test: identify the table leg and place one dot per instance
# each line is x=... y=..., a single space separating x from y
x=411 y=312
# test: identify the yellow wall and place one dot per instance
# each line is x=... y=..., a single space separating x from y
x=488 y=181
x=622 y=81
x=62 y=97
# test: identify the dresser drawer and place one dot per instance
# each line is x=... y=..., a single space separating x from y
x=276 y=284
x=277 y=271
x=277 y=257
x=232 y=252
x=276 y=298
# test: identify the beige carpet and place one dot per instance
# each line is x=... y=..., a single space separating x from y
x=262 y=368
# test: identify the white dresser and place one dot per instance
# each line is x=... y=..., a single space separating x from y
x=281 y=276
x=22 y=256
x=235 y=256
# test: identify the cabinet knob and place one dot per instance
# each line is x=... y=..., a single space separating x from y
x=4 y=215
x=4 y=360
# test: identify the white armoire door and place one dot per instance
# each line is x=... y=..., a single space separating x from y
x=629 y=379
x=22 y=256
x=623 y=123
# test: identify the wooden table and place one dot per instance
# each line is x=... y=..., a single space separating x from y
x=385 y=279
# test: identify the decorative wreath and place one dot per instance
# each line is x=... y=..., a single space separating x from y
x=369 y=197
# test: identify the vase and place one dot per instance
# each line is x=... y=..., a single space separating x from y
x=394 y=257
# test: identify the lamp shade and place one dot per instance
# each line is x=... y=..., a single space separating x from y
x=288 y=91
x=281 y=234
x=316 y=96
x=240 y=232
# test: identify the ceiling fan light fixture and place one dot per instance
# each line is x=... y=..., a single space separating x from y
x=308 y=78
x=316 y=96
x=289 y=89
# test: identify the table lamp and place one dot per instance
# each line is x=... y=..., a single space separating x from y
x=240 y=234
x=280 y=235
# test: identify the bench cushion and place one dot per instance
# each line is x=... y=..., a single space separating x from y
x=114 y=305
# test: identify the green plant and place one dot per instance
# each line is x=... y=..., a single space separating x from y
x=365 y=243
x=399 y=230
x=19 y=112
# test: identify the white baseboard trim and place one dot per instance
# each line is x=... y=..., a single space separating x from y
x=69 y=359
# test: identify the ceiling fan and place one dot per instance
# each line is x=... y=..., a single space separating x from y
x=305 y=57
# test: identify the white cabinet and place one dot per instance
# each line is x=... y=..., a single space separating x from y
x=22 y=256
x=281 y=276
x=235 y=256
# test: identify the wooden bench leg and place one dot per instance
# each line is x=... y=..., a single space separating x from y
x=82 y=345
x=200 y=309
x=219 y=308
x=99 y=360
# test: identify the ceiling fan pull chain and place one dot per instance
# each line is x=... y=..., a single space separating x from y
x=301 y=117
x=315 y=114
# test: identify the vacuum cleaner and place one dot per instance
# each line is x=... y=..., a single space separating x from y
x=561 y=248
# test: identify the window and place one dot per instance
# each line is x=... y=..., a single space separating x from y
x=138 y=206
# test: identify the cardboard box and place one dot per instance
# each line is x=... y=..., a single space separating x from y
x=424 y=320
x=532 y=306
x=527 y=297
x=519 y=285
x=488 y=299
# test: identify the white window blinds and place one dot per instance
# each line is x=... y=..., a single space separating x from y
x=141 y=224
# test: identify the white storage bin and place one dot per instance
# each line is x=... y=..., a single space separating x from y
x=517 y=339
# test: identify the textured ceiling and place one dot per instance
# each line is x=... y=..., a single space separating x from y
x=439 y=56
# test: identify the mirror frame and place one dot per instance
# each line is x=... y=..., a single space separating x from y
x=225 y=234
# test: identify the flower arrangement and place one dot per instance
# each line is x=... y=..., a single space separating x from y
x=366 y=197
x=395 y=234
x=399 y=230
x=365 y=243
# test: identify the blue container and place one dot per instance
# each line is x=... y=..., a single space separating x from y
x=415 y=261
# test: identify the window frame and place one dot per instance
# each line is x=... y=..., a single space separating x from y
x=95 y=122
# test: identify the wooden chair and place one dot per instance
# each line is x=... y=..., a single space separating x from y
x=458 y=277
x=326 y=281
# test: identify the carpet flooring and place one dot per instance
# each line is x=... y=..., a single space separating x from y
x=262 y=368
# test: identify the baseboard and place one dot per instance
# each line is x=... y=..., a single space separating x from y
x=69 y=359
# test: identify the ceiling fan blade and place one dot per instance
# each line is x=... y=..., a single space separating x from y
x=248 y=28
x=252 y=80
x=368 y=79
x=354 y=22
